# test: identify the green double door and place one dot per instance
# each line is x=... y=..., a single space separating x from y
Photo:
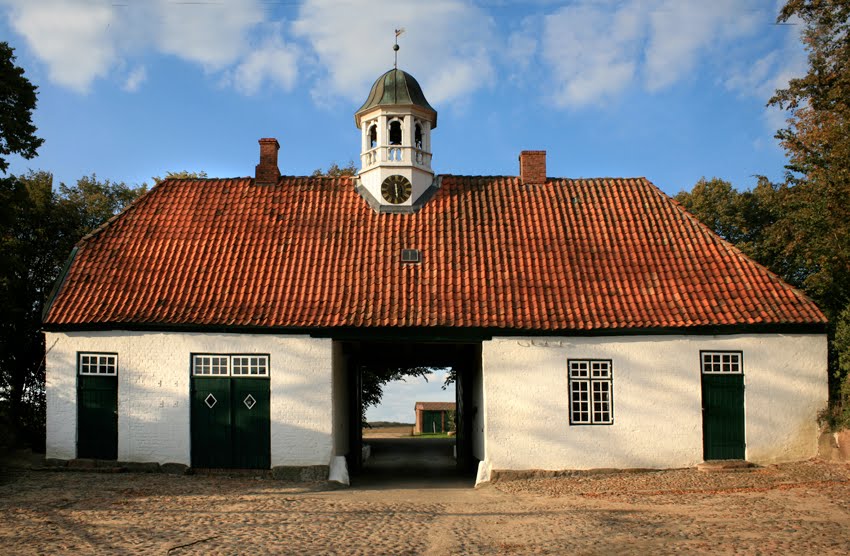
x=97 y=417
x=230 y=423
x=723 y=416
x=432 y=421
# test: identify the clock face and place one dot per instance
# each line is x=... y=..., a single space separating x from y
x=396 y=189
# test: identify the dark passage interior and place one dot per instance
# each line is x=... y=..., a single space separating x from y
x=414 y=458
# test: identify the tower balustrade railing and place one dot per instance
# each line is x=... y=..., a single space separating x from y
x=396 y=154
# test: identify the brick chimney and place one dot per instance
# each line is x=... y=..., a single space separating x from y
x=532 y=167
x=267 y=171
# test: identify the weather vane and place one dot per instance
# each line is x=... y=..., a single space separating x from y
x=398 y=32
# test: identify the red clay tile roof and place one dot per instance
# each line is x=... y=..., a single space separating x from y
x=435 y=406
x=584 y=254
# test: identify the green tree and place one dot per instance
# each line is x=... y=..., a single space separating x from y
x=816 y=221
x=750 y=220
x=817 y=141
x=375 y=377
x=451 y=420
x=720 y=207
x=181 y=175
x=39 y=225
x=91 y=202
x=800 y=229
x=17 y=102
x=336 y=171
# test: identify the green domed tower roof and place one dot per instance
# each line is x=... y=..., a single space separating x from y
x=396 y=87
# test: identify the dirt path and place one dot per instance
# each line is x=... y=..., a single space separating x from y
x=791 y=509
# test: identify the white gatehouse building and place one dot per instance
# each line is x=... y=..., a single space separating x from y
x=590 y=322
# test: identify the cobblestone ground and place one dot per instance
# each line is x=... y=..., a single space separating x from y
x=789 y=509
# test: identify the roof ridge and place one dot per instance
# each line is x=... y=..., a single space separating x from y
x=447 y=175
x=549 y=178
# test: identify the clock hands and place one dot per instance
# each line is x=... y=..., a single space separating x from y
x=396 y=189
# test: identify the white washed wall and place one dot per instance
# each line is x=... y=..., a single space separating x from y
x=153 y=392
x=657 y=400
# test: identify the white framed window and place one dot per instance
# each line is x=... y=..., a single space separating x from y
x=211 y=365
x=250 y=365
x=722 y=362
x=219 y=365
x=591 y=392
x=98 y=364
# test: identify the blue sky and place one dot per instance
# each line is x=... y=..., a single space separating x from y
x=672 y=90
x=401 y=395
x=668 y=89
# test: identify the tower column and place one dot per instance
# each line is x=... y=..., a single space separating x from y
x=407 y=137
x=383 y=138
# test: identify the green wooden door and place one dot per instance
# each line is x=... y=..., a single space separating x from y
x=251 y=434
x=97 y=417
x=211 y=423
x=230 y=423
x=723 y=416
x=432 y=422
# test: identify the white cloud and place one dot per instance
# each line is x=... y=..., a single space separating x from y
x=81 y=41
x=274 y=62
x=135 y=79
x=211 y=34
x=523 y=44
x=592 y=51
x=72 y=38
x=682 y=30
x=755 y=77
x=761 y=77
x=598 y=49
x=445 y=45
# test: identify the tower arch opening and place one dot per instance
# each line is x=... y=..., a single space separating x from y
x=395 y=134
x=372 y=134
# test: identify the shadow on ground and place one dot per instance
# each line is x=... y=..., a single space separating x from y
x=411 y=463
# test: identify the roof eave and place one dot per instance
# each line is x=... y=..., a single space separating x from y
x=444 y=333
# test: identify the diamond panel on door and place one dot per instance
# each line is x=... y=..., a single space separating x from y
x=251 y=435
x=211 y=423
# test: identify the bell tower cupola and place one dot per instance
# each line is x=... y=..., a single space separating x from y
x=395 y=125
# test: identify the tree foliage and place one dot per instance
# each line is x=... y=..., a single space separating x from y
x=375 y=377
x=181 y=175
x=336 y=171
x=751 y=220
x=39 y=225
x=817 y=141
x=17 y=102
x=800 y=228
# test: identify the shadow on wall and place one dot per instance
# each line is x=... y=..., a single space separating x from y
x=154 y=396
x=656 y=405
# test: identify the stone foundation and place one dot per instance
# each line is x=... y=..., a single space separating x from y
x=301 y=473
x=834 y=446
